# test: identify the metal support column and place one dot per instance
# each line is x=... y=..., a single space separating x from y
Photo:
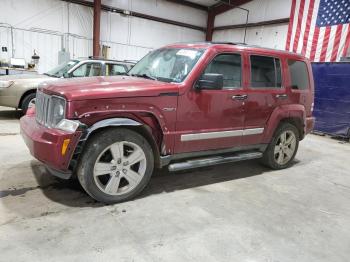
x=96 y=29
x=210 y=26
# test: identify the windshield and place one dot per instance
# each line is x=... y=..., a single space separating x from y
x=59 y=71
x=167 y=64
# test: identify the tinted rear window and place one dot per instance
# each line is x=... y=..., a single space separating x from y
x=265 y=72
x=299 y=75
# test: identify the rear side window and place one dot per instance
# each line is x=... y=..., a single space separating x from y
x=265 y=72
x=299 y=75
x=229 y=65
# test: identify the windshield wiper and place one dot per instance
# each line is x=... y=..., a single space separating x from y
x=144 y=76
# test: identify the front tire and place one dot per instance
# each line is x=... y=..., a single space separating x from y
x=28 y=101
x=116 y=165
x=282 y=149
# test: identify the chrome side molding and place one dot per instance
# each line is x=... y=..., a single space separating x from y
x=253 y=131
x=222 y=134
x=211 y=135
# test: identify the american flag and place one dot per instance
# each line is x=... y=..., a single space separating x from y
x=319 y=29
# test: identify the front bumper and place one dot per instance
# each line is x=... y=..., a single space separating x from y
x=45 y=144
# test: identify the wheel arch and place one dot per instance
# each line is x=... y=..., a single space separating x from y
x=295 y=121
x=293 y=114
x=128 y=123
x=27 y=92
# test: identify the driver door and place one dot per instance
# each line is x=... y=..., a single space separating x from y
x=213 y=119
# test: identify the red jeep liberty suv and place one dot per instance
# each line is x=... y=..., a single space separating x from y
x=184 y=105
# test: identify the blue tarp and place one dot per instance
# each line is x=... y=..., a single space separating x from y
x=332 y=98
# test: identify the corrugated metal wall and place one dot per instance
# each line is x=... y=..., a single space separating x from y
x=41 y=25
x=273 y=36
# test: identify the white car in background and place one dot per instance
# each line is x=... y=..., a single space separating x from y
x=18 y=91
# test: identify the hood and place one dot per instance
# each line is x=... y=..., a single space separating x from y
x=108 y=87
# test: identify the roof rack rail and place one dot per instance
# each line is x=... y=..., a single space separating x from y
x=227 y=43
x=212 y=43
x=95 y=57
x=101 y=58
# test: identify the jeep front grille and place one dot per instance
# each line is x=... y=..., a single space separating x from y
x=42 y=105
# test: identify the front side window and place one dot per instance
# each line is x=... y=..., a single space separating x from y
x=88 y=69
x=167 y=64
x=115 y=69
x=228 y=65
x=299 y=75
x=265 y=72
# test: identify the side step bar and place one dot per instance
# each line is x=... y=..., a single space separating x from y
x=210 y=161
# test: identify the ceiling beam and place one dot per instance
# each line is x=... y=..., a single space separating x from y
x=137 y=14
x=262 y=23
x=190 y=4
x=226 y=5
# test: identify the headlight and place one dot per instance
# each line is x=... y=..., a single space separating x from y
x=5 y=84
x=57 y=111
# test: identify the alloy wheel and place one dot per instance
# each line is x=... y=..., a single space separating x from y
x=120 y=168
x=285 y=147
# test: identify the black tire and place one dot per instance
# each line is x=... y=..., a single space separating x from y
x=25 y=102
x=93 y=150
x=269 y=157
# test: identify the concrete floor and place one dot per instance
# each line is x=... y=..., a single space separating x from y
x=235 y=212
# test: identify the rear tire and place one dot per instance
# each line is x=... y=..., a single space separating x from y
x=282 y=149
x=27 y=102
x=116 y=165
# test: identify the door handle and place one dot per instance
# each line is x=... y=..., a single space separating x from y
x=282 y=96
x=239 y=97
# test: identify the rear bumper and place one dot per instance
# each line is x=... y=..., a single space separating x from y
x=309 y=125
x=45 y=144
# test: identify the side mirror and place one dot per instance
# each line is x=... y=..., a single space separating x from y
x=211 y=82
